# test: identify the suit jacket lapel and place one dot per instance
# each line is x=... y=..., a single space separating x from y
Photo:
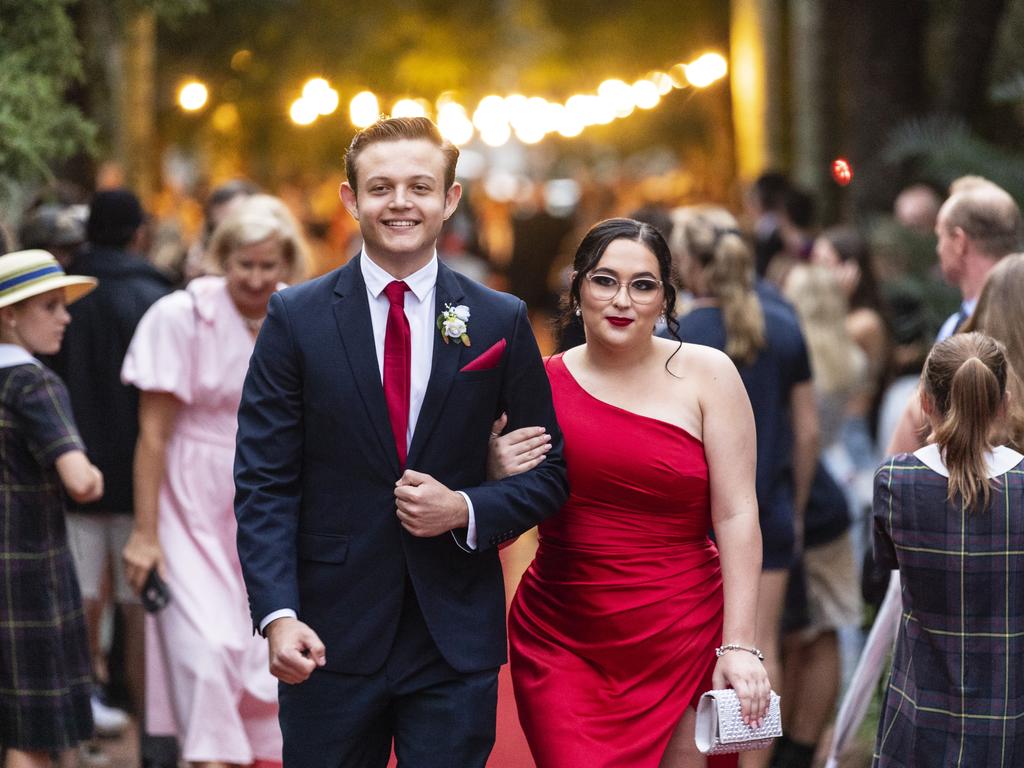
x=443 y=367
x=352 y=315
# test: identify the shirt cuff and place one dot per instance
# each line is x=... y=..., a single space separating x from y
x=470 y=527
x=280 y=614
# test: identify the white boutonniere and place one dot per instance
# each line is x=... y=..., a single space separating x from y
x=453 y=323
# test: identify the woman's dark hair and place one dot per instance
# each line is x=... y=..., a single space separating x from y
x=965 y=379
x=596 y=242
x=851 y=246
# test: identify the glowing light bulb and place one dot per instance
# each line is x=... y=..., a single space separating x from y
x=315 y=86
x=496 y=135
x=706 y=69
x=454 y=123
x=662 y=81
x=303 y=112
x=408 y=108
x=193 y=95
x=645 y=94
x=364 y=109
x=618 y=96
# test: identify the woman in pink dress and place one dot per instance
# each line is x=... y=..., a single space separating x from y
x=208 y=680
x=629 y=611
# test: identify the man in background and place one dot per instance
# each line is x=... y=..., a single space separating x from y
x=977 y=225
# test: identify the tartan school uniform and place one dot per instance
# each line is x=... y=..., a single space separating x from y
x=956 y=691
x=45 y=676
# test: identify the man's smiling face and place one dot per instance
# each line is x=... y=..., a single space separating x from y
x=400 y=200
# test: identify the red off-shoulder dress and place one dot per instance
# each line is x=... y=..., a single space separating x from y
x=613 y=629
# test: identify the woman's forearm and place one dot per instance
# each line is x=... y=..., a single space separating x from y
x=158 y=413
x=739 y=546
x=150 y=454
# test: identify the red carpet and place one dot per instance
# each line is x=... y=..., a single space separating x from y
x=510 y=748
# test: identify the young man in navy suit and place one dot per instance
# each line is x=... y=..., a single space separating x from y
x=367 y=530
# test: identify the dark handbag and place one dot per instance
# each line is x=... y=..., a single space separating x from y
x=155 y=594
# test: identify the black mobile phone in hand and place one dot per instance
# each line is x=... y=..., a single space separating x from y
x=155 y=594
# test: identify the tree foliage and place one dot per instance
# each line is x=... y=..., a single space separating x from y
x=39 y=59
x=946 y=148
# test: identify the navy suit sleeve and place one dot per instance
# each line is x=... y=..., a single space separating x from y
x=506 y=508
x=268 y=467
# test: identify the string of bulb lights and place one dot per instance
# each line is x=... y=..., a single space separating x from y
x=496 y=119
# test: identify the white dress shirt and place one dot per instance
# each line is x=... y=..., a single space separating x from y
x=419 y=309
x=949 y=327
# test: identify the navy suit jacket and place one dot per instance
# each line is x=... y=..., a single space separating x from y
x=316 y=467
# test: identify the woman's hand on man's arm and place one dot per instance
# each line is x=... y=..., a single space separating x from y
x=517 y=452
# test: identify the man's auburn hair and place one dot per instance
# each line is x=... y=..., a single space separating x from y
x=396 y=129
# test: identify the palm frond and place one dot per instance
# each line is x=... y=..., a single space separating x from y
x=945 y=148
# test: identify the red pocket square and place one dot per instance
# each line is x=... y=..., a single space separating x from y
x=488 y=359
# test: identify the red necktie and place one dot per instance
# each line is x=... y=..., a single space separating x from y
x=397 y=366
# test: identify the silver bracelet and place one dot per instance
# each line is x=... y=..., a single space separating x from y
x=723 y=649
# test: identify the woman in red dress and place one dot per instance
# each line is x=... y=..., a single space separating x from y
x=614 y=628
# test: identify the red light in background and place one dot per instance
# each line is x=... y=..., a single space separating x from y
x=842 y=171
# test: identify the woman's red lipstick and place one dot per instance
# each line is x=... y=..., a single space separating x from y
x=620 y=322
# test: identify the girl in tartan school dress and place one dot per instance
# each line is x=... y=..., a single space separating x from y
x=45 y=677
x=950 y=517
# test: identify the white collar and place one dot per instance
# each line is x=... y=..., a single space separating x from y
x=12 y=355
x=999 y=461
x=420 y=282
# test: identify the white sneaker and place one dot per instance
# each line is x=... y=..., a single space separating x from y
x=109 y=721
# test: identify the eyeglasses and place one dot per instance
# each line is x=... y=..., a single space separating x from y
x=641 y=290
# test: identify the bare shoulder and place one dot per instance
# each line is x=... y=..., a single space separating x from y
x=695 y=360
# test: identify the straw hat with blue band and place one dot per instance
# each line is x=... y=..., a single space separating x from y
x=24 y=274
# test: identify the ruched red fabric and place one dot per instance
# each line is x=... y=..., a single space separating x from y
x=613 y=629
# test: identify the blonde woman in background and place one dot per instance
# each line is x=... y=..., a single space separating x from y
x=207 y=673
x=764 y=340
x=824 y=596
x=845 y=252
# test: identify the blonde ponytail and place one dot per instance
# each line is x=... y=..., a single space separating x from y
x=729 y=275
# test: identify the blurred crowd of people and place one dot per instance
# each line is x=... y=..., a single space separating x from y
x=828 y=326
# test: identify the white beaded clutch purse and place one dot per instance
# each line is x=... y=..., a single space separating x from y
x=720 y=726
